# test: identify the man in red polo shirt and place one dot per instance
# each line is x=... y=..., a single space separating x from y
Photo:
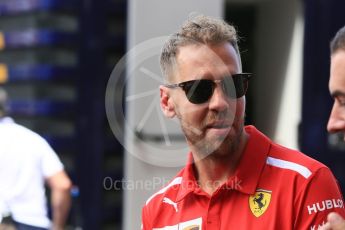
x=235 y=178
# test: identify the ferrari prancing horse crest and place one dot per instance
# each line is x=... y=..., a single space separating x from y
x=259 y=202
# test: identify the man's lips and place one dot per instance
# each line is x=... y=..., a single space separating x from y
x=219 y=125
x=218 y=129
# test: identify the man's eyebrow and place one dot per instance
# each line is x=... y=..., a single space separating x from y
x=338 y=93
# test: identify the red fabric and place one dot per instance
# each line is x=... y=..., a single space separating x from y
x=302 y=192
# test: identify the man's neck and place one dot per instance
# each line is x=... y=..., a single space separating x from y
x=213 y=171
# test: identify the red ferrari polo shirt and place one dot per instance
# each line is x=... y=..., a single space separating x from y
x=273 y=188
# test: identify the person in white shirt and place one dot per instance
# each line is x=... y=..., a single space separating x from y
x=27 y=163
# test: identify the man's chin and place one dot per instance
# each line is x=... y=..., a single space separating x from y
x=214 y=146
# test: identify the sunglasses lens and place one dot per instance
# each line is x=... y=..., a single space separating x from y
x=198 y=91
x=241 y=85
x=229 y=86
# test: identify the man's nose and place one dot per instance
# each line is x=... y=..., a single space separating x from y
x=219 y=100
x=336 y=122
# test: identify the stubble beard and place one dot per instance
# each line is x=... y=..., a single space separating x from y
x=214 y=146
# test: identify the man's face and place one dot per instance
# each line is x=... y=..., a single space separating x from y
x=215 y=126
x=336 y=121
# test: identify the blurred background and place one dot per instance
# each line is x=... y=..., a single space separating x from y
x=56 y=57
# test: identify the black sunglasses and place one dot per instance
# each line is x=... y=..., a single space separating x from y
x=200 y=91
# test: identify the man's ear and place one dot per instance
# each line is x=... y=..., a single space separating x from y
x=166 y=102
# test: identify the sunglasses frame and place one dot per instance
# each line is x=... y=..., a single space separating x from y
x=182 y=85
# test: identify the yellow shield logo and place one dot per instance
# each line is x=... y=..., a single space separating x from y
x=259 y=202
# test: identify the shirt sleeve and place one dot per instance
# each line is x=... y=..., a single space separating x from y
x=318 y=197
x=145 y=220
x=50 y=162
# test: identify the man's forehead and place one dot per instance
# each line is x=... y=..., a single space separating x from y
x=337 y=72
x=220 y=55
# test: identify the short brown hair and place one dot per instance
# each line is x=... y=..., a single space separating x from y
x=338 y=42
x=200 y=29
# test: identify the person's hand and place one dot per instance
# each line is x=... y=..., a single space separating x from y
x=335 y=222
